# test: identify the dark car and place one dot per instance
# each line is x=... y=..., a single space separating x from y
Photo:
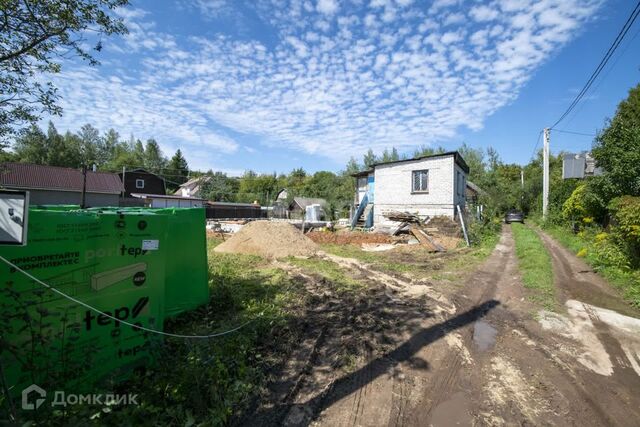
x=514 y=216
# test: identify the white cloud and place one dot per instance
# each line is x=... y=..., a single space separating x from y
x=336 y=79
x=483 y=13
x=328 y=7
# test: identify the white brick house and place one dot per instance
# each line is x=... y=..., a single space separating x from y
x=428 y=186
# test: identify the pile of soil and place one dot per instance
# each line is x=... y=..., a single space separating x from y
x=445 y=225
x=269 y=239
x=349 y=238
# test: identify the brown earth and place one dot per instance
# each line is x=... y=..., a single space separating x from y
x=349 y=238
x=271 y=239
x=472 y=353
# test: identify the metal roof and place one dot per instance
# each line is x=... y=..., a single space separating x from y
x=164 y=196
x=41 y=177
x=456 y=155
x=303 y=202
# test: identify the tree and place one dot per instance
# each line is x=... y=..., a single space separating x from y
x=32 y=147
x=89 y=138
x=178 y=168
x=33 y=35
x=154 y=160
x=217 y=187
x=390 y=156
x=369 y=159
x=62 y=150
x=617 y=151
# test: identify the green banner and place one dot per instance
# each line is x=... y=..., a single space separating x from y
x=124 y=262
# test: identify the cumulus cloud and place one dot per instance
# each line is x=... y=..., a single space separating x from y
x=334 y=79
x=328 y=7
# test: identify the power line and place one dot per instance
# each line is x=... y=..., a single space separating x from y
x=124 y=322
x=536 y=146
x=574 y=133
x=621 y=34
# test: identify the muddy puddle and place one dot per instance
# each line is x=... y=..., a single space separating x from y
x=484 y=335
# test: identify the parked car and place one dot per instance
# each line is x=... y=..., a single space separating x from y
x=514 y=216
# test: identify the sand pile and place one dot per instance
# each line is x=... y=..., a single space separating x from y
x=269 y=239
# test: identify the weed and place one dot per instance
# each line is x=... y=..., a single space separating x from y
x=535 y=266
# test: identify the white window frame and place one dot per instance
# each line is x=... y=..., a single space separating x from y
x=423 y=175
x=138 y=181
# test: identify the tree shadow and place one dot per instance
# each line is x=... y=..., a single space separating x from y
x=302 y=414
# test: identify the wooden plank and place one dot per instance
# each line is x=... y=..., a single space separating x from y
x=426 y=240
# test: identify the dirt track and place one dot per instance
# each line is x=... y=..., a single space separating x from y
x=480 y=354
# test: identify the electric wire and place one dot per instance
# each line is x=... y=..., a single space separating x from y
x=124 y=322
x=574 y=133
x=621 y=34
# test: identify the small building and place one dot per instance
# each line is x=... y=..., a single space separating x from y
x=142 y=181
x=427 y=186
x=472 y=193
x=192 y=187
x=579 y=166
x=298 y=207
x=53 y=185
x=169 y=201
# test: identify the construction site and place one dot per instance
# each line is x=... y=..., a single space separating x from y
x=271 y=325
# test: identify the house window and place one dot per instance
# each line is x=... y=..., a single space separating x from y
x=420 y=181
x=139 y=183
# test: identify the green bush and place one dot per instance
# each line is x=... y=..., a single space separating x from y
x=625 y=226
x=607 y=254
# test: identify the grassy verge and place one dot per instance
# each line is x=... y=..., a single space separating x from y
x=206 y=382
x=341 y=280
x=535 y=266
x=594 y=252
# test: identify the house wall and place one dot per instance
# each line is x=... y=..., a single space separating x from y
x=394 y=188
x=460 y=186
x=153 y=184
x=46 y=197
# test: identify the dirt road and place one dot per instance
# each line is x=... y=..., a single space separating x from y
x=480 y=354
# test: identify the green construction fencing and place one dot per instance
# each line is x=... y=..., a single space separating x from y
x=138 y=265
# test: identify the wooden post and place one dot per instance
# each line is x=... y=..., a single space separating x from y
x=464 y=229
x=84 y=187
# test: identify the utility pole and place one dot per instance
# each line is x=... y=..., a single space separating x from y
x=124 y=189
x=84 y=187
x=545 y=174
x=521 y=178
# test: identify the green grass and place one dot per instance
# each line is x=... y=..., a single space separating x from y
x=624 y=279
x=535 y=266
x=207 y=382
x=340 y=279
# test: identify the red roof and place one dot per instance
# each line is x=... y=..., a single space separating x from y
x=29 y=176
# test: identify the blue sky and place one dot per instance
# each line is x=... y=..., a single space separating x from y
x=271 y=85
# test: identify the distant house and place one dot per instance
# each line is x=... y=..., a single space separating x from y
x=579 y=166
x=52 y=185
x=281 y=196
x=427 y=186
x=298 y=207
x=472 y=192
x=192 y=187
x=142 y=181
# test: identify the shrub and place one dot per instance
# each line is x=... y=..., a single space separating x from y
x=625 y=225
x=606 y=253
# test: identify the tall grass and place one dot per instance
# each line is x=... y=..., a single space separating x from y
x=535 y=266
